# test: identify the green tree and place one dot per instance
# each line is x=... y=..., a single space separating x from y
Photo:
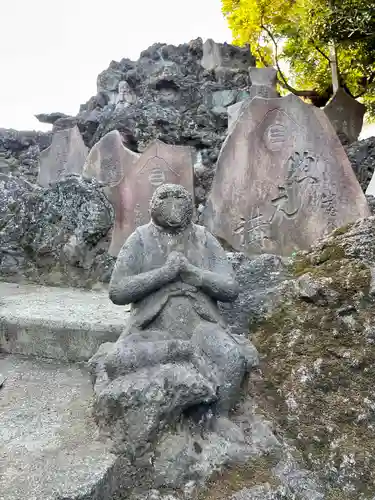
x=304 y=38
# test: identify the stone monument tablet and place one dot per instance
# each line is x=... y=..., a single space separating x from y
x=112 y=164
x=282 y=179
x=263 y=82
x=66 y=155
x=223 y=55
x=159 y=164
x=346 y=115
x=109 y=160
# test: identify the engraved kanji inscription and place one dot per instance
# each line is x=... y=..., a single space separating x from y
x=275 y=136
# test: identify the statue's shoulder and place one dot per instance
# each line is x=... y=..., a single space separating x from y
x=135 y=241
x=202 y=232
x=199 y=231
x=142 y=231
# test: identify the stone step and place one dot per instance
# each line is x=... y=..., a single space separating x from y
x=49 y=448
x=60 y=323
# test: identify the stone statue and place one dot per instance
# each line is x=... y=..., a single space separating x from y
x=125 y=95
x=174 y=272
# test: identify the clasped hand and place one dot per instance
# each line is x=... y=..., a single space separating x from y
x=180 y=266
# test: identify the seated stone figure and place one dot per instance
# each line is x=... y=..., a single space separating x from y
x=174 y=272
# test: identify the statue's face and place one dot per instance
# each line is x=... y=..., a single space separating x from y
x=171 y=208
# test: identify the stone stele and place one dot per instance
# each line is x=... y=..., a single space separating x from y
x=346 y=115
x=263 y=84
x=223 y=55
x=66 y=155
x=112 y=164
x=282 y=180
x=109 y=161
x=159 y=164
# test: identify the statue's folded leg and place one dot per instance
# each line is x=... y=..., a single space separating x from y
x=227 y=358
x=136 y=351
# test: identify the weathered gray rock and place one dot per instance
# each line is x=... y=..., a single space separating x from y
x=50 y=118
x=258 y=279
x=216 y=55
x=58 y=235
x=279 y=184
x=317 y=349
x=20 y=151
x=136 y=408
x=12 y=189
x=263 y=492
x=108 y=82
x=173 y=98
x=362 y=157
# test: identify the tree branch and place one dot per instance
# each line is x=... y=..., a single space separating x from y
x=369 y=81
x=276 y=53
x=259 y=52
x=322 y=53
x=299 y=93
x=284 y=83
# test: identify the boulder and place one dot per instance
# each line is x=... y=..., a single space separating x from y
x=362 y=157
x=55 y=236
x=317 y=360
x=20 y=152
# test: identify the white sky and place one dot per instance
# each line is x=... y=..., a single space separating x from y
x=52 y=51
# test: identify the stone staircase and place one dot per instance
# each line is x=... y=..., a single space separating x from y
x=49 y=447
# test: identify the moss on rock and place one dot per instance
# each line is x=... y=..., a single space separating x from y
x=319 y=370
x=229 y=481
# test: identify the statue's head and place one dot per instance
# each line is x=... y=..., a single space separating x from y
x=171 y=207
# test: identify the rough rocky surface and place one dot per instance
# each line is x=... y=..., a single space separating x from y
x=20 y=150
x=171 y=98
x=174 y=99
x=55 y=236
x=317 y=349
x=258 y=278
x=362 y=157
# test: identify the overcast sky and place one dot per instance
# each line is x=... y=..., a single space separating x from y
x=52 y=51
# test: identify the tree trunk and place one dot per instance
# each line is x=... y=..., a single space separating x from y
x=334 y=67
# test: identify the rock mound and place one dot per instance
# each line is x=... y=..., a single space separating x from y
x=362 y=157
x=55 y=236
x=168 y=95
x=318 y=353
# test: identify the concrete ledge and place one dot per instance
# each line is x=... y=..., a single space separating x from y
x=60 y=323
x=49 y=446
